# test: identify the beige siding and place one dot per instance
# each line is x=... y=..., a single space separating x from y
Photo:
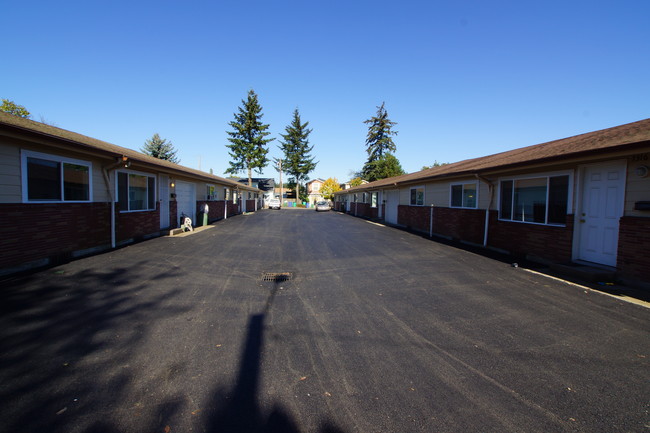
x=10 y=190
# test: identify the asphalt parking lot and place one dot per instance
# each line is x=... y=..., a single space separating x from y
x=297 y=321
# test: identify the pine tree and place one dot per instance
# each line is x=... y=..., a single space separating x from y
x=297 y=161
x=379 y=144
x=160 y=148
x=248 y=149
x=379 y=140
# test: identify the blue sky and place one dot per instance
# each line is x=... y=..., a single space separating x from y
x=462 y=79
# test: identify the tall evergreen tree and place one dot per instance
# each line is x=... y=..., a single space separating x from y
x=297 y=161
x=379 y=139
x=160 y=148
x=379 y=144
x=248 y=149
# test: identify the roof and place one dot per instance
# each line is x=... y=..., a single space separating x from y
x=42 y=129
x=610 y=139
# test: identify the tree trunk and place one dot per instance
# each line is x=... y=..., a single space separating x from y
x=297 y=193
x=250 y=178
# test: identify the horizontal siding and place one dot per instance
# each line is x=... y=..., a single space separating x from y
x=10 y=190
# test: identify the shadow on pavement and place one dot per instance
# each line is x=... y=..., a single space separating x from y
x=66 y=340
x=238 y=410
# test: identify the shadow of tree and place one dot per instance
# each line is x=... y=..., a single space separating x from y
x=65 y=340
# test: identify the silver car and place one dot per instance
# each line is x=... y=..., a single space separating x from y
x=322 y=206
x=274 y=203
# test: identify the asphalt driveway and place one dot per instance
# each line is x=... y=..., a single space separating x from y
x=359 y=328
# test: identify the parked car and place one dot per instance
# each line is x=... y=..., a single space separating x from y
x=274 y=203
x=322 y=206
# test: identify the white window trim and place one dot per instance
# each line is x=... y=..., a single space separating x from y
x=139 y=173
x=374 y=194
x=549 y=174
x=424 y=195
x=475 y=183
x=24 y=154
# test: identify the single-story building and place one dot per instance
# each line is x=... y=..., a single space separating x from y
x=64 y=195
x=582 y=199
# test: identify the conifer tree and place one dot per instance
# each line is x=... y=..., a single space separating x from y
x=297 y=161
x=160 y=148
x=379 y=145
x=248 y=149
x=379 y=139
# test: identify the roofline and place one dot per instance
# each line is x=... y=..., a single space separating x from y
x=130 y=153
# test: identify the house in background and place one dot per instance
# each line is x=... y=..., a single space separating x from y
x=64 y=195
x=583 y=199
x=265 y=185
x=314 y=190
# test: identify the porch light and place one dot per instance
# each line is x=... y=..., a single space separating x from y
x=172 y=184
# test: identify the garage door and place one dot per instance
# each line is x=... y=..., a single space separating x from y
x=186 y=200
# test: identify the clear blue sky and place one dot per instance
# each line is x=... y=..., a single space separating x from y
x=462 y=79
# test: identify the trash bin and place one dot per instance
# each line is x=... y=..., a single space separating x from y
x=203 y=216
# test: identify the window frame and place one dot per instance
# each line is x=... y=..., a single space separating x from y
x=416 y=188
x=374 y=199
x=62 y=160
x=208 y=196
x=462 y=185
x=149 y=199
x=543 y=175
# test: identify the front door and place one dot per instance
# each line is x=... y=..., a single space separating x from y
x=392 y=203
x=603 y=200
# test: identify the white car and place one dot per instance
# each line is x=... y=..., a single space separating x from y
x=274 y=203
x=322 y=206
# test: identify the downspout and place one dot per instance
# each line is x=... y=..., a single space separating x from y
x=487 y=210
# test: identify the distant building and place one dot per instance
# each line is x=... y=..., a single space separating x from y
x=267 y=185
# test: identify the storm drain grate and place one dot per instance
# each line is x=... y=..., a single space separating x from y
x=277 y=277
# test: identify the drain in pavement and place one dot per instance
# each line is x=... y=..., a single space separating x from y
x=277 y=277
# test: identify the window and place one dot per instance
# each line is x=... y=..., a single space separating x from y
x=226 y=194
x=541 y=200
x=211 y=192
x=373 y=199
x=50 y=178
x=136 y=192
x=464 y=195
x=417 y=196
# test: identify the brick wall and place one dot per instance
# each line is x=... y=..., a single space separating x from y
x=633 y=241
x=462 y=224
x=250 y=205
x=173 y=214
x=30 y=232
x=136 y=225
x=215 y=209
x=548 y=242
x=364 y=210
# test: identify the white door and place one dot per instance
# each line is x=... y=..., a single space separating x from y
x=186 y=200
x=603 y=200
x=163 y=197
x=392 y=201
x=244 y=195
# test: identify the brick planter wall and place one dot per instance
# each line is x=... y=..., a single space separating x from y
x=136 y=225
x=31 y=232
x=364 y=210
x=462 y=224
x=633 y=241
x=548 y=242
